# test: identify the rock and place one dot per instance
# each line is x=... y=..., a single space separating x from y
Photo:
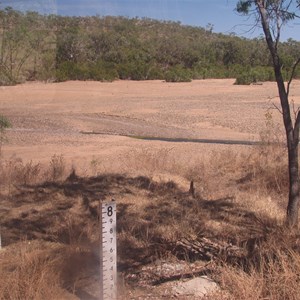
x=196 y=287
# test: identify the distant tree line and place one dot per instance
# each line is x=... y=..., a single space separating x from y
x=59 y=48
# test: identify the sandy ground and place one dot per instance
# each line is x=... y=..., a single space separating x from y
x=54 y=118
x=58 y=118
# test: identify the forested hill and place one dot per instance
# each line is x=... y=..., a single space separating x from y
x=57 y=48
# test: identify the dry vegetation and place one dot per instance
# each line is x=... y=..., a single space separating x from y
x=49 y=225
x=231 y=228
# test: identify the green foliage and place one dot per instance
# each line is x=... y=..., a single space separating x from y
x=100 y=71
x=244 y=6
x=178 y=74
x=255 y=75
x=139 y=71
x=36 y=47
x=23 y=40
x=279 y=12
x=4 y=123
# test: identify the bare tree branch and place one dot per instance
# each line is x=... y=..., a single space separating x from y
x=276 y=107
x=294 y=109
x=278 y=27
x=296 y=128
x=292 y=75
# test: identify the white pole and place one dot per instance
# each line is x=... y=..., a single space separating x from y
x=108 y=251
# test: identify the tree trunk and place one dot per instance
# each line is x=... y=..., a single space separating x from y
x=294 y=189
x=292 y=131
x=292 y=139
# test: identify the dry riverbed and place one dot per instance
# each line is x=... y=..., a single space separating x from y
x=58 y=118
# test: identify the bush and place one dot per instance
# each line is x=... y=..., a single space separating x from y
x=6 y=80
x=57 y=167
x=244 y=78
x=139 y=70
x=254 y=75
x=133 y=71
x=178 y=74
x=4 y=123
x=65 y=71
x=102 y=71
x=46 y=67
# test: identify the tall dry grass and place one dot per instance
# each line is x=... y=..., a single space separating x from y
x=240 y=198
x=37 y=269
x=257 y=180
x=14 y=171
x=273 y=273
x=31 y=270
x=271 y=269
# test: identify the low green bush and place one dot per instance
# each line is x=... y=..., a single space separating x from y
x=139 y=70
x=4 y=123
x=65 y=71
x=254 y=75
x=178 y=74
x=100 y=71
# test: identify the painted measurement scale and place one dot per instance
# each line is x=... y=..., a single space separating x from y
x=108 y=251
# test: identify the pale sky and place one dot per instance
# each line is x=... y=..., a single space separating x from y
x=220 y=13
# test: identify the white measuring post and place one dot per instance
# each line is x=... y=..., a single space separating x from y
x=108 y=250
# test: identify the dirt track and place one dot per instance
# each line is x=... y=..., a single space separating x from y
x=50 y=118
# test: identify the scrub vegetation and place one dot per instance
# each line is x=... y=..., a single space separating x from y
x=58 y=48
x=235 y=234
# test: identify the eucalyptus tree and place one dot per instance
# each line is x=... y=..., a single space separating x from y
x=14 y=44
x=23 y=40
x=272 y=15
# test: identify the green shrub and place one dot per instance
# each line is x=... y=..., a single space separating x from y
x=6 y=79
x=178 y=74
x=244 y=78
x=155 y=72
x=44 y=69
x=64 y=70
x=102 y=71
x=254 y=75
x=4 y=123
x=139 y=70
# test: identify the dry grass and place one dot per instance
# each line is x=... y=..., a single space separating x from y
x=273 y=273
x=151 y=161
x=240 y=199
x=15 y=172
x=38 y=269
x=257 y=179
x=30 y=270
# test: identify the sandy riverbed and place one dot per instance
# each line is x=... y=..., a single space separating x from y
x=54 y=118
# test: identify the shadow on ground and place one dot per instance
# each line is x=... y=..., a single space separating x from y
x=67 y=213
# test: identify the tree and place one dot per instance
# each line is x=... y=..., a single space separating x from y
x=272 y=15
x=14 y=50
x=23 y=40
